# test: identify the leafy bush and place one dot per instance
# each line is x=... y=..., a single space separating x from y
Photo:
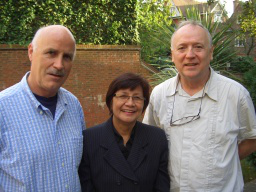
x=250 y=82
x=242 y=64
x=252 y=160
x=92 y=22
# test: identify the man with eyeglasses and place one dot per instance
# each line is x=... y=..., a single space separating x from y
x=209 y=119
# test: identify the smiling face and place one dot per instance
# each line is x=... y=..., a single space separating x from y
x=51 y=60
x=126 y=113
x=192 y=53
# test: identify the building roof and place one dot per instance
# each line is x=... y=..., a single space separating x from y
x=186 y=2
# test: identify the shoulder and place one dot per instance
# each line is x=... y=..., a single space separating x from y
x=69 y=97
x=152 y=135
x=164 y=85
x=222 y=78
x=163 y=89
x=151 y=130
x=11 y=92
x=67 y=94
x=95 y=130
x=234 y=86
x=94 y=136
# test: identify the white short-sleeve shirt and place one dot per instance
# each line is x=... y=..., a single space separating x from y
x=204 y=153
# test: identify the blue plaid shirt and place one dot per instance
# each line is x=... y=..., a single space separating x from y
x=37 y=152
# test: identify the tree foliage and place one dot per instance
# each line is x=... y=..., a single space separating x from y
x=247 y=21
x=250 y=83
x=248 y=17
x=152 y=15
x=92 y=22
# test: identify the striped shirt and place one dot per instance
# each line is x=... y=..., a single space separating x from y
x=39 y=152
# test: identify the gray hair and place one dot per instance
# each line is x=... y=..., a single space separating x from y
x=194 y=23
x=39 y=31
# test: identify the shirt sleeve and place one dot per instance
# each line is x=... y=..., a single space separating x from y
x=247 y=117
x=150 y=116
x=1 y=127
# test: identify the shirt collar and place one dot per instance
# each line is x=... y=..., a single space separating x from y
x=36 y=103
x=210 y=87
x=171 y=89
x=28 y=91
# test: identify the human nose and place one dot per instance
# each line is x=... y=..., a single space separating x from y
x=190 y=53
x=58 y=63
x=129 y=101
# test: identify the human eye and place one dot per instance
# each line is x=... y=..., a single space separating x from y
x=68 y=57
x=199 y=47
x=123 y=97
x=181 y=48
x=51 y=52
x=137 y=98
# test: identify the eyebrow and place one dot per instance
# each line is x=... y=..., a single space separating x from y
x=49 y=49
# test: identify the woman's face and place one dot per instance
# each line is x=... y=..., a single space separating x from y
x=127 y=106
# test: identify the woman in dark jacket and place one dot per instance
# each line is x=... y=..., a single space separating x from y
x=123 y=154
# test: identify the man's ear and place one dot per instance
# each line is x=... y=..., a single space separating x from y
x=171 y=55
x=30 y=51
x=211 y=51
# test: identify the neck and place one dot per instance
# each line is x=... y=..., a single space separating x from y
x=39 y=91
x=124 y=130
x=192 y=86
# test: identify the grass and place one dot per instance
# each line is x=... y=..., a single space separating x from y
x=249 y=171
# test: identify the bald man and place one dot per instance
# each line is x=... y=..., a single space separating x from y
x=209 y=119
x=41 y=123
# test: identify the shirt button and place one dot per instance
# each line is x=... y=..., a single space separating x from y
x=41 y=112
x=135 y=183
x=59 y=143
x=66 y=186
x=118 y=183
x=62 y=164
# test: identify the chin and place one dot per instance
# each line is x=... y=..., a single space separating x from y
x=191 y=74
x=129 y=121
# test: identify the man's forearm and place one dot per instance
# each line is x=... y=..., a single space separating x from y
x=246 y=147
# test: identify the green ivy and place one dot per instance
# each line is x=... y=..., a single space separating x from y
x=92 y=22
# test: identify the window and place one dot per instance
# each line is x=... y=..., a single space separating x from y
x=239 y=42
x=217 y=17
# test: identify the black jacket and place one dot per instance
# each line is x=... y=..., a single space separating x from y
x=104 y=169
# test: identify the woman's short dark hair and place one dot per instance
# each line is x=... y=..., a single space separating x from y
x=127 y=81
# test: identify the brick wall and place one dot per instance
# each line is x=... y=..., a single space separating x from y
x=93 y=70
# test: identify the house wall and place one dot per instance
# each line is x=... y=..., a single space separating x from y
x=93 y=70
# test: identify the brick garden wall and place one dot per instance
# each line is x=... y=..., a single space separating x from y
x=93 y=70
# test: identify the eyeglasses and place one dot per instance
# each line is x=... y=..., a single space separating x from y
x=188 y=119
x=125 y=98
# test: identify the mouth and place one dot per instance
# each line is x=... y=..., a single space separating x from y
x=56 y=75
x=128 y=111
x=190 y=64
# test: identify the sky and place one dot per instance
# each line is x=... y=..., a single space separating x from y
x=228 y=5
